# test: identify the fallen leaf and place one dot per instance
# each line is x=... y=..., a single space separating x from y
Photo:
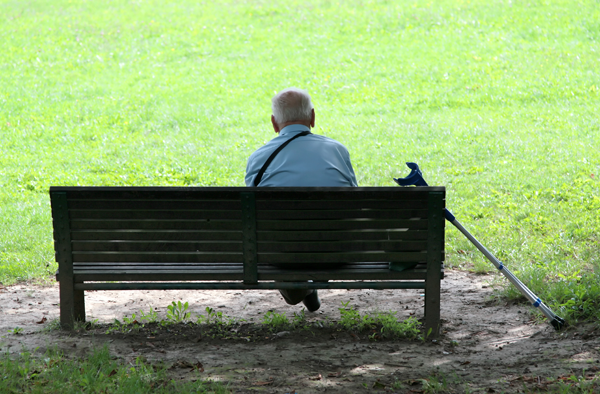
x=318 y=377
x=41 y=321
x=198 y=366
x=334 y=374
x=112 y=373
x=465 y=363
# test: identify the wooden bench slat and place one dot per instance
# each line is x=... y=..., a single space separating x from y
x=266 y=258
x=155 y=214
x=157 y=276
x=156 y=235
x=80 y=267
x=342 y=214
x=277 y=276
x=149 y=193
x=144 y=214
x=334 y=235
x=262 y=236
x=262 y=225
x=302 y=205
x=340 y=193
x=156 y=224
x=156 y=246
x=175 y=205
x=156 y=257
x=350 y=224
x=349 y=257
x=228 y=246
x=233 y=193
x=342 y=246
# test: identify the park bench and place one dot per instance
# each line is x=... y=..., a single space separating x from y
x=141 y=238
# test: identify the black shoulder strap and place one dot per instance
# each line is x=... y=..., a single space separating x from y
x=260 y=174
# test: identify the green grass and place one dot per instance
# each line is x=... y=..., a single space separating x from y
x=96 y=373
x=495 y=100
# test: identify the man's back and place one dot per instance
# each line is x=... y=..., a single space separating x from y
x=311 y=160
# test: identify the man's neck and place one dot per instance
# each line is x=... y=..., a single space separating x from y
x=307 y=124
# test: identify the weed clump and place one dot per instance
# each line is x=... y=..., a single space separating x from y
x=381 y=325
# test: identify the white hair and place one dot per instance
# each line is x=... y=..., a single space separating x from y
x=291 y=105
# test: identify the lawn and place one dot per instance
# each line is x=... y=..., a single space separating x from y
x=496 y=100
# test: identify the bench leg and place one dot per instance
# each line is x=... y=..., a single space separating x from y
x=78 y=305
x=72 y=305
x=432 y=308
x=67 y=308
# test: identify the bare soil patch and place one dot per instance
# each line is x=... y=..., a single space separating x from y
x=486 y=346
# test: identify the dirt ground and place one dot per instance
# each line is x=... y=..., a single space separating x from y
x=486 y=346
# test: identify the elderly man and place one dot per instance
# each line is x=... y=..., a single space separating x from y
x=307 y=160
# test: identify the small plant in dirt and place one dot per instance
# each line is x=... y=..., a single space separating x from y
x=279 y=321
x=16 y=331
x=391 y=327
x=130 y=320
x=177 y=312
x=215 y=317
x=85 y=325
x=383 y=325
x=275 y=321
x=150 y=317
x=299 y=319
x=221 y=324
x=352 y=320
x=51 y=325
x=128 y=325
x=434 y=385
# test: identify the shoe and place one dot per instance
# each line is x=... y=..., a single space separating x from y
x=312 y=302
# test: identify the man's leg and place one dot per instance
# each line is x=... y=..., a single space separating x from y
x=294 y=296
x=309 y=297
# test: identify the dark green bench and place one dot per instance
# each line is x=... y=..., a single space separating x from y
x=132 y=238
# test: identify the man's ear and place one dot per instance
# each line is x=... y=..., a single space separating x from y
x=275 y=125
x=312 y=117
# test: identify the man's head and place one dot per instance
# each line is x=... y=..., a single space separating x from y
x=292 y=106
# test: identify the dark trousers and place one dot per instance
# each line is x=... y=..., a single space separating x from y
x=294 y=296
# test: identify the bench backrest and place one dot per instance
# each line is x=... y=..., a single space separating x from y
x=253 y=226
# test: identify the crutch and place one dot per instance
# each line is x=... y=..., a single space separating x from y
x=416 y=178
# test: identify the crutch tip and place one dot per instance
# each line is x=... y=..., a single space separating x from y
x=558 y=323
